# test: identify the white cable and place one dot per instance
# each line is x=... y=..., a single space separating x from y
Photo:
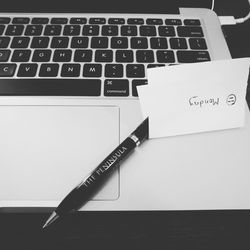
x=243 y=19
x=212 y=7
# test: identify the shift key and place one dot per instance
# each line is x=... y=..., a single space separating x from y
x=7 y=69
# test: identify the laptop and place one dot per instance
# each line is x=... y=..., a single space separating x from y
x=68 y=78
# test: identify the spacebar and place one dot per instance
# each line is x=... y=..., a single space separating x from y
x=51 y=87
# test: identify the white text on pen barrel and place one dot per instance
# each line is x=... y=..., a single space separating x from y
x=108 y=163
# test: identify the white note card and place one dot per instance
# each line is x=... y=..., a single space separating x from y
x=194 y=98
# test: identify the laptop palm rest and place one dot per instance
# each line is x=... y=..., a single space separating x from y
x=47 y=150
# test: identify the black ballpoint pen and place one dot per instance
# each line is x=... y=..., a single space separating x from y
x=83 y=192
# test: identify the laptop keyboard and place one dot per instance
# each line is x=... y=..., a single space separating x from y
x=103 y=57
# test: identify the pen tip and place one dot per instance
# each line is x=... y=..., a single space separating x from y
x=54 y=216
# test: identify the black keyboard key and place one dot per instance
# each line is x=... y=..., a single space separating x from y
x=116 y=87
x=41 y=55
x=113 y=70
x=51 y=87
x=166 y=31
x=49 y=70
x=128 y=30
x=159 y=43
x=197 y=43
x=59 y=42
x=40 y=20
x=27 y=70
x=92 y=70
x=90 y=30
x=154 y=21
x=124 y=56
x=99 y=42
x=59 y=20
x=78 y=20
x=97 y=20
x=147 y=30
x=150 y=66
x=136 y=83
x=103 y=56
x=119 y=42
x=52 y=30
x=83 y=56
x=192 y=22
x=14 y=30
x=135 y=21
x=116 y=21
x=4 y=20
x=145 y=56
x=4 y=55
x=20 y=20
x=139 y=43
x=109 y=30
x=79 y=42
x=70 y=70
x=178 y=43
x=193 y=56
x=62 y=55
x=71 y=30
x=21 y=55
x=2 y=27
x=20 y=42
x=7 y=69
x=40 y=42
x=189 y=31
x=165 y=56
x=4 y=42
x=135 y=70
x=33 y=30
x=173 y=22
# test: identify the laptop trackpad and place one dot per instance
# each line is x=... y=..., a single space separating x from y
x=47 y=150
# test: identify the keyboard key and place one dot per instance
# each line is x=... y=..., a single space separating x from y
x=192 y=22
x=116 y=87
x=104 y=56
x=109 y=30
x=59 y=20
x=178 y=43
x=52 y=30
x=158 y=43
x=71 y=30
x=99 y=42
x=79 y=42
x=21 y=55
x=97 y=21
x=173 y=22
x=41 y=55
x=27 y=70
x=40 y=20
x=147 y=30
x=145 y=56
x=189 y=31
x=4 y=55
x=166 y=31
x=59 y=42
x=49 y=70
x=78 y=20
x=197 y=43
x=128 y=30
x=21 y=20
x=113 y=70
x=139 y=43
x=90 y=30
x=124 y=56
x=20 y=42
x=40 y=42
x=116 y=21
x=136 y=83
x=2 y=27
x=4 y=42
x=119 y=42
x=92 y=70
x=7 y=69
x=154 y=21
x=70 y=70
x=193 y=56
x=165 y=56
x=14 y=30
x=150 y=66
x=4 y=20
x=135 y=70
x=62 y=55
x=33 y=30
x=135 y=21
x=83 y=56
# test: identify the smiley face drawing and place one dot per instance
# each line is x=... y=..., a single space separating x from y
x=231 y=99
